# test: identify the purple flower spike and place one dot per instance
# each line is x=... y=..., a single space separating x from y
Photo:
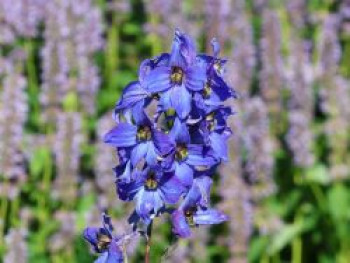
x=166 y=159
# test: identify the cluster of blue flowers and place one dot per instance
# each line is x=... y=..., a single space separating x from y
x=167 y=159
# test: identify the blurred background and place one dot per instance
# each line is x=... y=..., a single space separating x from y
x=63 y=65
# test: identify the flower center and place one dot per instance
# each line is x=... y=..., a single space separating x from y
x=189 y=216
x=218 y=66
x=210 y=121
x=151 y=182
x=181 y=152
x=144 y=133
x=207 y=90
x=176 y=75
x=103 y=241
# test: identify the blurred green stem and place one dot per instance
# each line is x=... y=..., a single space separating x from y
x=148 y=242
x=297 y=250
x=33 y=86
x=320 y=197
x=112 y=51
x=156 y=43
x=15 y=204
x=125 y=255
x=4 y=208
x=265 y=259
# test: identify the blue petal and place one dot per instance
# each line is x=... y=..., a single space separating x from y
x=123 y=135
x=107 y=223
x=179 y=132
x=215 y=46
x=164 y=101
x=219 y=145
x=192 y=198
x=123 y=172
x=180 y=226
x=147 y=203
x=195 y=78
x=115 y=255
x=138 y=152
x=220 y=88
x=127 y=191
x=158 y=80
x=209 y=217
x=183 y=52
x=132 y=94
x=151 y=155
x=203 y=184
x=184 y=172
x=171 y=188
x=162 y=142
x=90 y=235
x=199 y=156
x=181 y=99
x=102 y=258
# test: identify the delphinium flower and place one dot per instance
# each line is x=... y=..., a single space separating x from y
x=335 y=97
x=167 y=159
x=301 y=104
x=106 y=243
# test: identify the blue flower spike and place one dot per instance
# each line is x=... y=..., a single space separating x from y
x=167 y=159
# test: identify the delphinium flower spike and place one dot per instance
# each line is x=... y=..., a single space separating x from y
x=167 y=159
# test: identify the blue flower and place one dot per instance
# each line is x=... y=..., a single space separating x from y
x=178 y=78
x=103 y=242
x=151 y=189
x=193 y=211
x=139 y=138
x=214 y=132
x=184 y=156
x=215 y=90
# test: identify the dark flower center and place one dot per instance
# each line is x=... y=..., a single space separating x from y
x=144 y=133
x=181 y=152
x=176 y=75
x=103 y=241
x=151 y=182
x=155 y=96
x=206 y=91
x=218 y=66
x=189 y=216
x=210 y=121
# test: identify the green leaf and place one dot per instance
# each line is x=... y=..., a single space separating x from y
x=338 y=202
x=286 y=235
x=40 y=157
x=257 y=247
x=317 y=174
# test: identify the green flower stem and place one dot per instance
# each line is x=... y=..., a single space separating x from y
x=112 y=51
x=4 y=208
x=33 y=86
x=297 y=250
x=148 y=242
